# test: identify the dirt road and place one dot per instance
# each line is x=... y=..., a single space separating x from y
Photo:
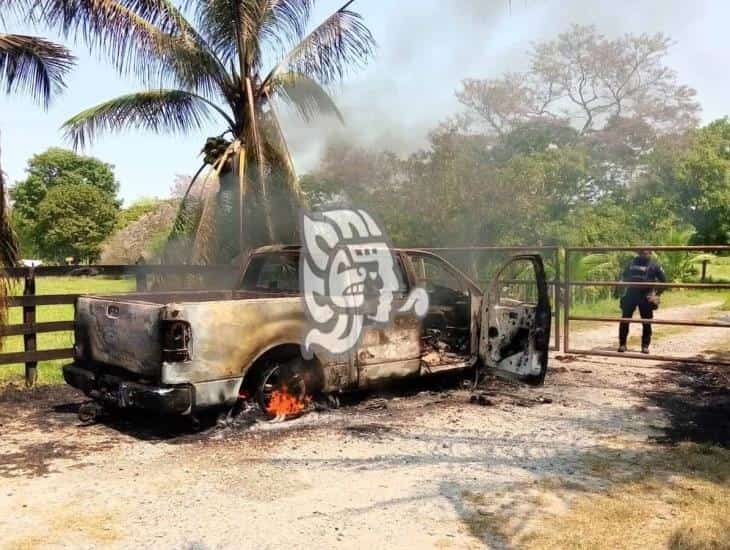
x=669 y=340
x=422 y=468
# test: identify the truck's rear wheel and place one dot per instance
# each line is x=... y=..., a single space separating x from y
x=282 y=391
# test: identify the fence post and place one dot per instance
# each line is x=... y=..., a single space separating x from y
x=557 y=295
x=566 y=303
x=29 y=339
x=141 y=281
x=704 y=270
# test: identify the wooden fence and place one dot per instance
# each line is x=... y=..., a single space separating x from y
x=220 y=276
x=223 y=277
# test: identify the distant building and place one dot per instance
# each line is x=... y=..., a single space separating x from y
x=31 y=263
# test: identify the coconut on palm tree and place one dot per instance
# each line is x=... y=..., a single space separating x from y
x=206 y=60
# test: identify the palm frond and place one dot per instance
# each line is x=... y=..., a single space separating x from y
x=179 y=244
x=164 y=14
x=276 y=24
x=305 y=95
x=205 y=242
x=240 y=30
x=10 y=7
x=679 y=265
x=282 y=21
x=282 y=171
x=218 y=28
x=274 y=137
x=170 y=19
x=34 y=65
x=148 y=38
x=155 y=110
x=341 y=41
x=285 y=194
x=597 y=266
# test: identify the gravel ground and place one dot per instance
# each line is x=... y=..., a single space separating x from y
x=397 y=470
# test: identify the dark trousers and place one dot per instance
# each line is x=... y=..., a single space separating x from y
x=629 y=303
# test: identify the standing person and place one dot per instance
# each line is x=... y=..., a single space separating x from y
x=642 y=269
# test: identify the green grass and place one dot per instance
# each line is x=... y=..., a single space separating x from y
x=719 y=273
x=671 y=298
x=49 y=372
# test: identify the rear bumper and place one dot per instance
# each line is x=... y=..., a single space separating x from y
x=122 y=393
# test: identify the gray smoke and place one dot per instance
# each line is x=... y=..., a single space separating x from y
x=426 y=47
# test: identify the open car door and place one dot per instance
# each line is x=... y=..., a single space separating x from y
x=516 y=317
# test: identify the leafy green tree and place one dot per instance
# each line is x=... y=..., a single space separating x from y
x=535 y=136
x=322 y=192
x=687 y=183
x=601 y=223
x=703 y=183
x=56 y=167
x=456 y=192
x=73 y=219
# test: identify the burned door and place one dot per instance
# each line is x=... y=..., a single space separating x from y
x=392 y=350
x=447 y=326
x=515 y=331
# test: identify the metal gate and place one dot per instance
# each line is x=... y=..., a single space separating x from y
x=570 y=285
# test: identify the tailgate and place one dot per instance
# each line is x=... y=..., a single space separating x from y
x=121 y=333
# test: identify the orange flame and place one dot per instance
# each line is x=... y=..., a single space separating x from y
x=283 y=403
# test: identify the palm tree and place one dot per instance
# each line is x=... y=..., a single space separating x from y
x=37 y=67
x=680 y=266
x=205 y=61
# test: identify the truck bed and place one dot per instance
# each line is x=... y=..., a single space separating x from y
x=124 y=330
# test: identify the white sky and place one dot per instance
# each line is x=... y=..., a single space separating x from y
x=425 y=47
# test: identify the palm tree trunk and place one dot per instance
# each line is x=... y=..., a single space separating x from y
x=259 y=163
x=239 y=169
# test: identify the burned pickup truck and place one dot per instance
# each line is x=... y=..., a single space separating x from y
x=191 y=351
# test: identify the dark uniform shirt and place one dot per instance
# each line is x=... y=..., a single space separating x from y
x=642 y=270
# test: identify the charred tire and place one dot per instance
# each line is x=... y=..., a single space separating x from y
x=290 y=378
